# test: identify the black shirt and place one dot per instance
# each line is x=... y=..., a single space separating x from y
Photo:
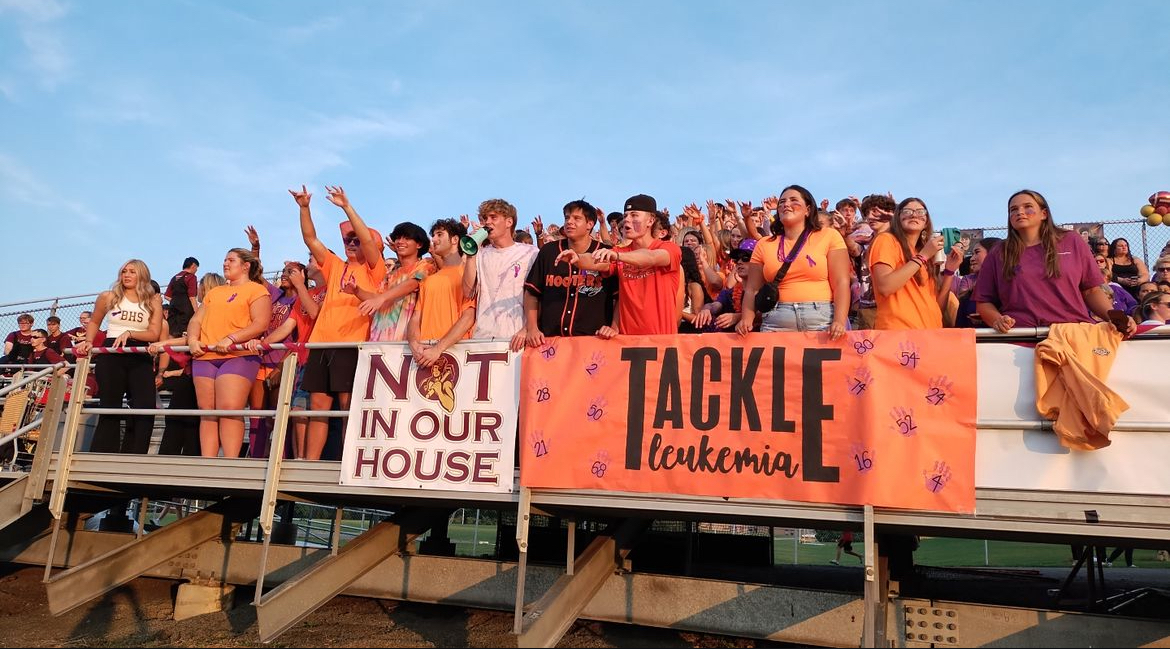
x=573 y=302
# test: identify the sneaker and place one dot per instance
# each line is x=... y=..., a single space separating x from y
x=1132 y=565
x=834 y=562
x=1108 y=564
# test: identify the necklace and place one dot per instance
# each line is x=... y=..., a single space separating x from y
x=780 y=254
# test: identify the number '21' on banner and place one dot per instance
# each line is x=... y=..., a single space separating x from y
x=885 y=418
x=451 y=426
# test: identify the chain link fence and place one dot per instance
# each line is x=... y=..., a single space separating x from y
x=68 y=308
x=1145 y=241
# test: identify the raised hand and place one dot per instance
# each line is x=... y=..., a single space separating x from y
x=824 y=205
x=296 y=276
x=771 y=203
x=538 y=225
x=302 y=197
x=693 y=213
x=253 y=236
x=931 y=246
x=713 y=208
x=746 y=210
x=337 y=196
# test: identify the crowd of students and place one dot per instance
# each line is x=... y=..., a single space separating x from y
x=790 y=265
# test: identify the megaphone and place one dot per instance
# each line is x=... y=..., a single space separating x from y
x=470 y=243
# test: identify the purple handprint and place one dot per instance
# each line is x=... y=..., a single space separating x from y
x=903 y=421
x=600 y=464
x=938 y=389
x=862 y=456
x=908 y=354
x=860 y=381
x=538 y=443
x=937 y=477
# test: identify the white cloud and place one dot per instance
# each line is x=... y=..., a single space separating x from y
x=48 y=58
x=20 y=184
x=319 y=146
x=126 y=100
x=35 y=10
x=305 y=32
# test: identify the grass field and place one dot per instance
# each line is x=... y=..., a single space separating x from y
x=940 y=552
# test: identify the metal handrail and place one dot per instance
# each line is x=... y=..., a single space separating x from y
x=1042 y=332
x=30 y=378
x=195 y=412
x=20 y=431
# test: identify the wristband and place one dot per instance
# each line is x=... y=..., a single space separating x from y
x=920 y=260
x=232 y=338
x=948 y=272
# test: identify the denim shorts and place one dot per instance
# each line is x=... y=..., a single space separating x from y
x=300 y=398
x=798 y=316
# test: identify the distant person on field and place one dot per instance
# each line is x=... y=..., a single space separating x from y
x=845 y=544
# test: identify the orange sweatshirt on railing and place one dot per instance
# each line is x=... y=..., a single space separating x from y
x=1072 y=364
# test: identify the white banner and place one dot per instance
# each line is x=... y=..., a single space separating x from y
x=450 y=426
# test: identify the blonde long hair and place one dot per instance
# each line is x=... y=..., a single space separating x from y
x=209 y=281
x=145 y=288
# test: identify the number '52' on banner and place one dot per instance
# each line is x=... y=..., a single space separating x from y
x=883 y=418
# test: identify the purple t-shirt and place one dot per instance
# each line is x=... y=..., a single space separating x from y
x=1033 y=299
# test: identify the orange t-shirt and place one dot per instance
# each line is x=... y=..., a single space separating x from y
x=226 y=310
x=808 y=277
x=339 y=320
x=441 y=302
x=648 y=297
x=914 y=306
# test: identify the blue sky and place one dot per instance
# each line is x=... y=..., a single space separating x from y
x=160 y=129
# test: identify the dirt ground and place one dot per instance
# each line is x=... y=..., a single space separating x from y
x=139 y=615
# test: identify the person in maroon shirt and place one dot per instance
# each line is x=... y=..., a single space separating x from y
x=18 y=345
x=77 y=334
x=42 y=354
x=181 y=293
x=57 y=340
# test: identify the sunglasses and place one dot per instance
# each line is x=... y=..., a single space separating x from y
x=36 y=337
x=352 y=241
x=1163 y=269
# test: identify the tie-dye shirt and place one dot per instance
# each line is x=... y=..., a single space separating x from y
x=389 y=323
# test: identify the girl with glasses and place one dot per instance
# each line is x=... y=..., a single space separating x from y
x=910 y=290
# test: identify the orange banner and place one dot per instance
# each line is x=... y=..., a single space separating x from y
x=883 y=418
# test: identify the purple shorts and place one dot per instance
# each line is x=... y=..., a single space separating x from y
x=245 y=366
